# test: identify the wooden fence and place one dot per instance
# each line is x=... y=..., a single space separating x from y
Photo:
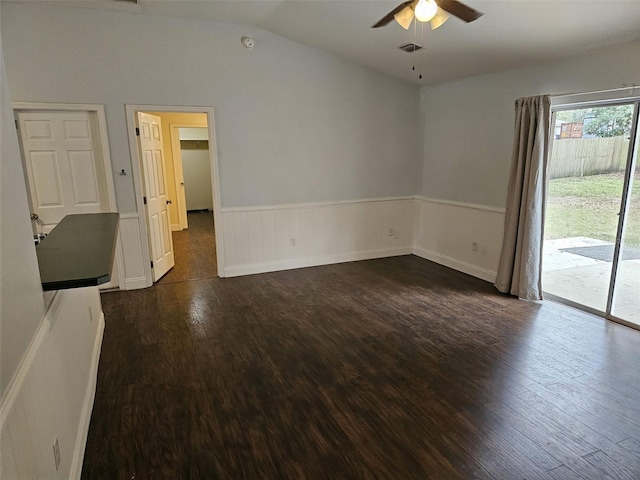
x=579 y=157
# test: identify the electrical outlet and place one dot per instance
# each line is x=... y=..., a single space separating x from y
x=293 y=242
x=56 y=453
x=474 y=246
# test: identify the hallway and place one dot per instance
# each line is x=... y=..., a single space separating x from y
x=194 y=250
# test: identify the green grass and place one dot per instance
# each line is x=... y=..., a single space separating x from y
x=588 y=207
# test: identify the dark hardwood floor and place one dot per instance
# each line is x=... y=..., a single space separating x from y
x=387 y=369
x=188 y=246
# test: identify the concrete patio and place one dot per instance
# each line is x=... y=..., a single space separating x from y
x=585 y=280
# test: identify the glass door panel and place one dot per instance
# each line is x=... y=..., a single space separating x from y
x=586 y=182
x=626 y=293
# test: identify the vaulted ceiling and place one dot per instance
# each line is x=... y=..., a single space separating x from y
x=511 y=33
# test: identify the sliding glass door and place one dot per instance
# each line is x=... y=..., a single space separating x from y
x=591 y=255
x=625 y=299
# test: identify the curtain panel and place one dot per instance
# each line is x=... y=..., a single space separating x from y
x=520 y=267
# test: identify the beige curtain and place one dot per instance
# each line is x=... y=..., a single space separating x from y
x=520 y=268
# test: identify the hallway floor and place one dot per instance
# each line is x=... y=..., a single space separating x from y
x=194 y=250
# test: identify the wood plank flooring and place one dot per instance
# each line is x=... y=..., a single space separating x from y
x=188 y=244
x=388 y=369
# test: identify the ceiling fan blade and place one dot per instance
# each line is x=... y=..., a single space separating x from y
x=460 y=10
x=404 y=17
x=389 y=16
x=439 y=19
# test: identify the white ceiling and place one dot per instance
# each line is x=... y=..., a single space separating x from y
x=511 y=33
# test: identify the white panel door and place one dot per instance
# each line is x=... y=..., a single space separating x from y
x=63 y=165
x=155 y=194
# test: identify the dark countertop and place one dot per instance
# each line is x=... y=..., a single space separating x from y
x=78 y=252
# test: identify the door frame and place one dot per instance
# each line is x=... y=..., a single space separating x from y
x=621 y=96
x=99 y=110
x=131 y=111
x=174 y=129
x=181 y=205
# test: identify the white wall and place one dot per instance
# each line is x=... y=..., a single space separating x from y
x=280 y=237
x=294 y=124
x=21 y=299
x=48 y=360
x=194 y=134
x=54 y=392
x=468 y=139
x=196 y=169
x=468 y=134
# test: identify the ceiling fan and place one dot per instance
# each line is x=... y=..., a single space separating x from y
x=434 y=11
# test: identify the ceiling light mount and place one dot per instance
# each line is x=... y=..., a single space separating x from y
x=248 y=42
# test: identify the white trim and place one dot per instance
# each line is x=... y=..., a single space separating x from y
x=136 y=283
x=455 y=264
x=289 y=206
x=291 y=264
x=133 y=283
x=567 y=101
x=24 y=367
x=475 y=206
x=119 y=259
x=87 y=406
x=130 y=111
x=99 y=110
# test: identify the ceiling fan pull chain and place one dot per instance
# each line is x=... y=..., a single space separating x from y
x=421 y=43
x=415 y=40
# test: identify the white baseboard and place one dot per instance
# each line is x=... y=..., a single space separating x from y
x=87 y=407
x=135 y=283
x=456 y=264
x=313 y=262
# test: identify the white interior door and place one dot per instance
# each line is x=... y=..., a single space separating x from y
x=63 y=165
x=181 y=199
x=155 y=194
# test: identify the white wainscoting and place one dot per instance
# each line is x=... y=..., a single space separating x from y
x=281 y=237
x=52 y=393
x=133 y=253
x=446 y=231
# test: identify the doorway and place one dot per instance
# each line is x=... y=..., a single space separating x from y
x=67 y=166
x=196 y=241
x=592 y=222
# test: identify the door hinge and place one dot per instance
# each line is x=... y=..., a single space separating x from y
x=137 y=132
x=144 y=200
x=151 y=263
x=16 y=124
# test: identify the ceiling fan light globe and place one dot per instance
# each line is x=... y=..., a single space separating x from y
x=425 y=10
x=404 y=17
x=439 y=19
